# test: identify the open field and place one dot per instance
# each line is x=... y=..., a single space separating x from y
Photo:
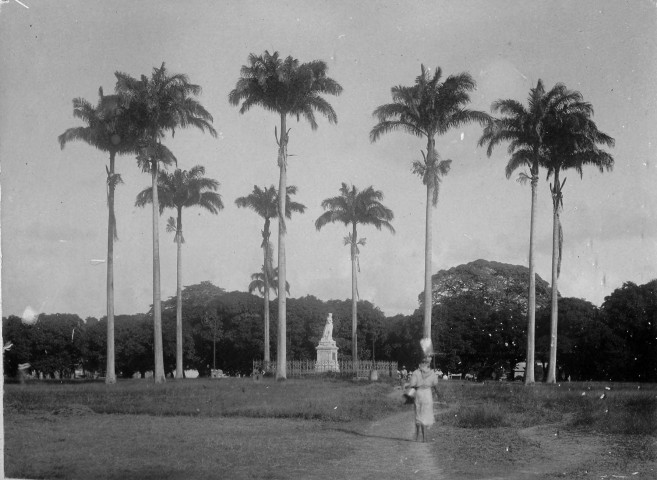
x=322 y=428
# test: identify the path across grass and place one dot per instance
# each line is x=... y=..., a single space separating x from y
x=313 y=430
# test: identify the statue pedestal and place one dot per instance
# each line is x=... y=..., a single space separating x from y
x=327 y=357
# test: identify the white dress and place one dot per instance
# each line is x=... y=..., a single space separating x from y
x=423 y=382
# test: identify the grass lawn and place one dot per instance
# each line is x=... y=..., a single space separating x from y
x=324 y=428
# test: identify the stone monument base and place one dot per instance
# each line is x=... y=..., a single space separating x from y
x=327 y=357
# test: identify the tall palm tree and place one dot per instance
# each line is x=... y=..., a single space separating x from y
x=265 y=203
x=426 y=109
x=524 y=128
x=178 y=190
x=354 y=207
x=107 y=129
x=288 y=88
x=572 y=139
x=164 y=102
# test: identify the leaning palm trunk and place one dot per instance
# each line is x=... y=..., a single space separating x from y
x=110 y=374
x=354 y=302
x=281 y=356
x=531 y=304
x=556 y=247
x=179 y=337
x=158 y=372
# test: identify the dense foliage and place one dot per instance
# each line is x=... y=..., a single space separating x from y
x=616 y=341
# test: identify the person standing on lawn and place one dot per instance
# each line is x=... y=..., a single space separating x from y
x=423 y=380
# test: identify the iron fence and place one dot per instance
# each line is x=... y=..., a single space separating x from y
x=302 y=368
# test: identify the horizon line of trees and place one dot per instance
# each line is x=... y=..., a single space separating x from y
x=555 y=133
x=614 y=342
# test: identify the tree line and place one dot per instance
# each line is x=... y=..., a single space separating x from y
x=617 y=341
x=555 y=132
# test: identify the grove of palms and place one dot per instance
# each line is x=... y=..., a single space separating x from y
x=524 y=128
x=178 y=190
x=554 y=132
x=287 y=88
x=355 y=207
x=162 y=103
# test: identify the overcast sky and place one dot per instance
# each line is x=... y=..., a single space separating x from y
x=54 y=212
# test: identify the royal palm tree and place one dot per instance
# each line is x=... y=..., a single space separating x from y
x=108 y=130
x=572 y=139
x=524 y=128
x=264 y=201
x=287 y=88
x=164 y=102
x=426 y=109
x=178 y=190
x=353 y=207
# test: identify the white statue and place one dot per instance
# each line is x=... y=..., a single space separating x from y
x=328 y=328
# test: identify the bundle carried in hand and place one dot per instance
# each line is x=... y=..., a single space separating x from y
x=409 y=396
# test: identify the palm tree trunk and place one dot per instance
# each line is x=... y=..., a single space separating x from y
x=554 y=316
x=267 y=350
x=158 y=372
x=281 y=360
x=531 y=304
x=110 y=374
x=179 y=337
x=354 y=302
x=265 y=271
x=427 y=262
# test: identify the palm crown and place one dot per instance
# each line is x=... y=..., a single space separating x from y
x=264 y=201
x=429 y=107
x=426 y=109
x=356 y=207
x=183 y=189
x=107 y=127
x=572 y=142
x=285 y=86
x=529 y=129
x=163 y=102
